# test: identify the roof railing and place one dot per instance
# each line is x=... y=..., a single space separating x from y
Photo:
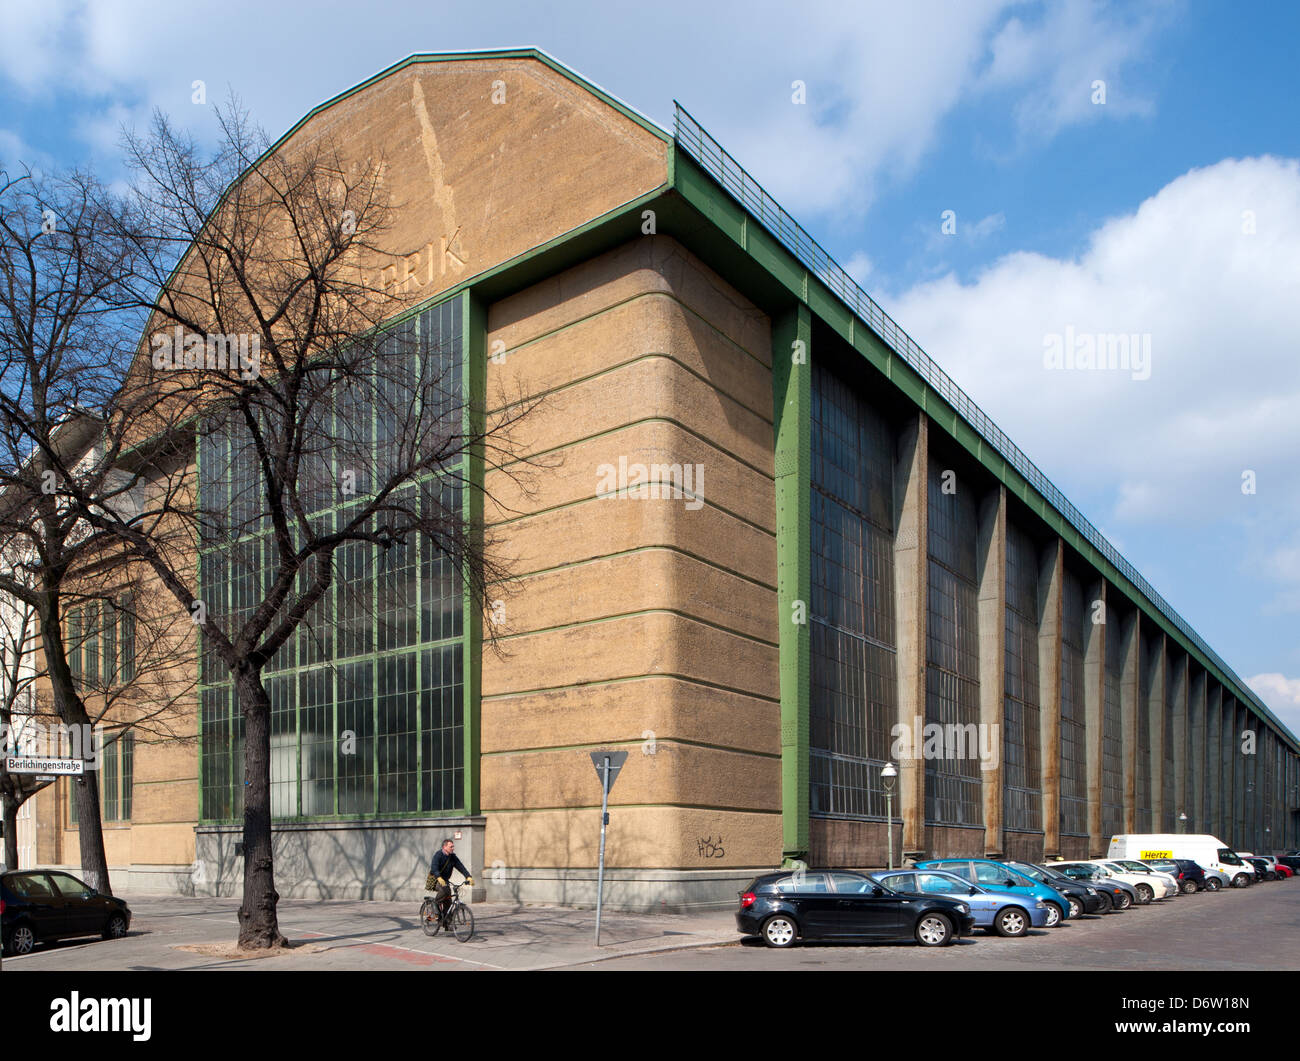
x=736 y=180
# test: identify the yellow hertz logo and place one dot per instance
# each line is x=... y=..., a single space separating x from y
x=1156 y=854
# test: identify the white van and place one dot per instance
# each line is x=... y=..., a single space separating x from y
x=1211 y=852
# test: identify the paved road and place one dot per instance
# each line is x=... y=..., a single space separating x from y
x=358 y=935
x=1258 y=928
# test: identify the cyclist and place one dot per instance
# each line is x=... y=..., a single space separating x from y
x=444 y=862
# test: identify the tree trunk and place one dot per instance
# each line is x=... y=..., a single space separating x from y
x=258 y=926
x=72 y=712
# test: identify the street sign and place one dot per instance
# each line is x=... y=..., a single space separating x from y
x=20 y=764
x=607 y=766
x=616 y=761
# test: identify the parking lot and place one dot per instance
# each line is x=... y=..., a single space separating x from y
x=1252 y=929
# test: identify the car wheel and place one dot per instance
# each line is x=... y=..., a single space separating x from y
x=779 y=931
x=1145 y=894
x=1188 y=887
x=1240 y=880
x=1076 y=907
x=934 y=930
x=1270 y=875
x=1107 y=905
x=1212 y=884
x=1054 y=915
x=1011 y=922
x=1123 y=901
x=21 y=940
x=116 y=927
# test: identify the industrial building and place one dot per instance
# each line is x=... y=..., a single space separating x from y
x=772 y=548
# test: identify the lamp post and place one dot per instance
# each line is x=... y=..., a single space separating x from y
x=888 y=776
x=1182 y=821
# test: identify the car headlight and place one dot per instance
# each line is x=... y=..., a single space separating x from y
x=1040 y=904
x=1092 y=891
x=963 y=908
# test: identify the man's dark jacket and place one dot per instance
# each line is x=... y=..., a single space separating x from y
x=444 y=863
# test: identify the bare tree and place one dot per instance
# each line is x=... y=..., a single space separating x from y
x=65 y=335
x=322 y=425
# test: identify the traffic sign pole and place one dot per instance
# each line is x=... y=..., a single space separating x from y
x=604 y=821
x=607 y=766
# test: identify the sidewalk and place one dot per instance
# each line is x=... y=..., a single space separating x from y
x=361 y=935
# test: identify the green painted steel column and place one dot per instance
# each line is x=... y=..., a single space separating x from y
x=474 y=367
x=792 y=431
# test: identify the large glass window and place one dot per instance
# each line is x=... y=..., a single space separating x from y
x=367 y=696
x=854 y=701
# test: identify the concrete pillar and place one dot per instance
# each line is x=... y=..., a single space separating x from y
x=792 y=428
x=1155 y=708
x=992 y=611
x=1180 y=705
x=1094 y=700
x=1214 y=758
x=1197 y=706
x=1130 y=701
x=1051 y=578
x=911 y=559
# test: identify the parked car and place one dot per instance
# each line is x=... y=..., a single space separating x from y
x=781 y=908
x=1000 y=876
x=1263 y=871
x=1122 y=894
x=1148 y=886
x=1083 y=898
x=1167 y=881
x=1005 y=913
x=39 y=906
x=1190 y=876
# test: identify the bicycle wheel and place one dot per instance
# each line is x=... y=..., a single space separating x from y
x=429 y=920
x=462 y=922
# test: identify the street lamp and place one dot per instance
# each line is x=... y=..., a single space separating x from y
x=1182 y=821
x=888 y=776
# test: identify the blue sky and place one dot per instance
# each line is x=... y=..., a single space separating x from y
x=1170 y=211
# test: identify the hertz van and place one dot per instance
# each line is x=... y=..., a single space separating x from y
x=1209 y=851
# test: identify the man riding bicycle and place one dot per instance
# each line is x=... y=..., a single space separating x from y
x=444 y=862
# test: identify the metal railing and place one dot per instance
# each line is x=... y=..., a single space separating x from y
x=692 y=138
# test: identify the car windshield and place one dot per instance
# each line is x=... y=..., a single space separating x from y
x=1029 y=871
x=1229 y=856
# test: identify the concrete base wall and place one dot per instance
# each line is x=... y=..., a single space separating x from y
x=1074 y=847
x=836 y=843
x=379 y=859
x=948 y=841
x=631 y=890
x=1023 y=847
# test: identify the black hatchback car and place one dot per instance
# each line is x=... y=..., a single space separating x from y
x=39 y=905
x=1189 y=874
x=782 y=907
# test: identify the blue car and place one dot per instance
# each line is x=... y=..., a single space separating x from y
x=1002 y=912
x=1001 y=877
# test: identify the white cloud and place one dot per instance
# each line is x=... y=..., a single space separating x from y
x=1282 y=695
x=1057 y=59
x=880 y=76
x=1161 y=459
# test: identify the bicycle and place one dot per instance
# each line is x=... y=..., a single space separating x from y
x=458 y=918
